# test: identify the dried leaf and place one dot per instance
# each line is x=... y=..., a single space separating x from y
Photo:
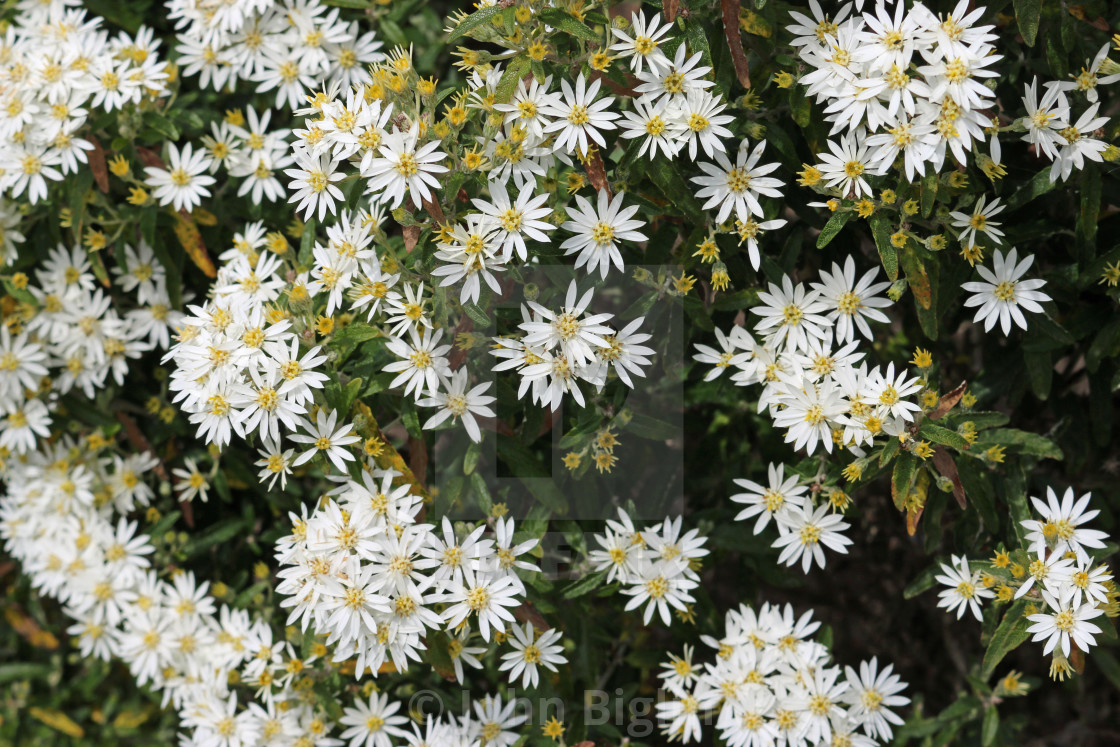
x=597 y=172
x=948 y=401
x=670 y=9
x=187 y=233
x=528 y=613
x=730 y=10
x=97 y=164
x=411 y=236
x=151 y=158
x=433 y=209
x=944 y=463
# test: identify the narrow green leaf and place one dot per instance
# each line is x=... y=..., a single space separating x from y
x=1025 y=442
x=888 y=255
x=835 y=223
x=928 y=193
x=941 y=435
x=1038 y=185
x=1027 y=13
x=584 y=586
x=473 y=21
x=477 y=315
x=1011 y=633
x=991 y=726
x=901 y=478
x=518 y=68
x=561 y=20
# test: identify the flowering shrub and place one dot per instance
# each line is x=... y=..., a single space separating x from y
x=544 y=373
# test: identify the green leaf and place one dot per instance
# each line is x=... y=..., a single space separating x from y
x=1038 y=185
x=889 y=450
x=928 y=193
x=881 y=232
x=351 y=336
x=645 y=426
x=1102 y=658
x=477 y=315
x=1040 y=372
x=585 y=585
x=518 y=68
x=833 y=226
x=673 y=186
x=901 y=478
x=991 y=726
x=941 y=435
x=24 y=670
x=162 y=125
x=916 y=277
x=925 y=581
x=307 y=243
x=558 y=19
x=217 y=534
x=1025 y=442
x=1027 y=13
x=473 y=21
x=1011 y=633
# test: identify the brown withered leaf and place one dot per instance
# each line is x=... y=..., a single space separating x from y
x=433 y=209
x=187 y=232
x=913 y=516
x=597 y=172
x=615 y=87
x=151 y=158
x=418 y=458
x=730 y=10
x=97 y=164
x=411 y=236
x=948 y=401
x=670 y=9
x=528 y=613
x=944 y=463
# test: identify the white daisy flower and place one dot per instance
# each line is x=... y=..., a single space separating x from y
x=184 y=186
x=1003 y=295
x=599 y=229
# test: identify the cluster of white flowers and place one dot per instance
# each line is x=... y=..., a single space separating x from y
x=656 y=565
x=364 y=572
x=58 y=518
x=242 y=144
x=907 y=83
x=288 y=46
x=820 y=394
x=1050 y=125
x=771 y=683
x=558 y=349
x=1055 y=567
x=60 y=68
x=75 y=335
x=804 y=529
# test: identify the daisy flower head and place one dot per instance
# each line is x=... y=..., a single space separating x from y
x=183 y=185
x=806 y=531
x=778 y=497
x=1003 y=295
x=1061 y=528
x=791 y=315
x=598 y=230
x=852 y=303
x=405 y=167
x=458 y=403
x=1064 y=624
x=640 y=43
x=312 y=182
x=965 y=590
x=845 y=165
x=578 y=117
x=979 y=221
x=737 y=187
x=530 y=653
